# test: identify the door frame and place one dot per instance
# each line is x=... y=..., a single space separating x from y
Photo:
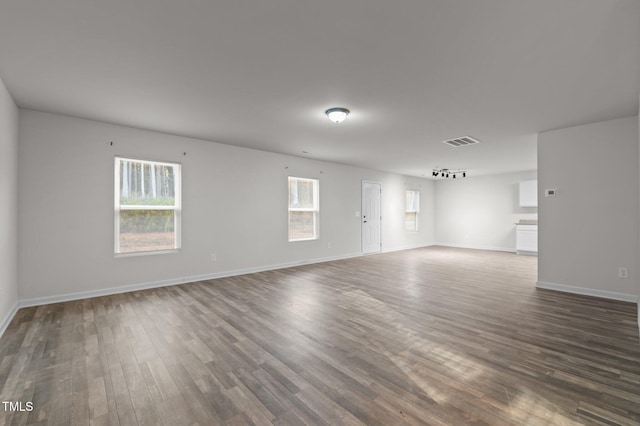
x=365 y=181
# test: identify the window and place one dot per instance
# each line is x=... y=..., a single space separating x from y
x=147 y=206
x=303 y=209
x=412 y=208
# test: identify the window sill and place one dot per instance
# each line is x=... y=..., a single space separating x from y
x=145 y=253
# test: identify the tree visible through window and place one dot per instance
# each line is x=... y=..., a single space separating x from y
x=412 y=208
x=303 y=209
x=147 y=206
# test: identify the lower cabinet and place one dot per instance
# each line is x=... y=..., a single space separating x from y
x=527 y=239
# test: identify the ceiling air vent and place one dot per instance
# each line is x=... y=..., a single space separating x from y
x=463 y=141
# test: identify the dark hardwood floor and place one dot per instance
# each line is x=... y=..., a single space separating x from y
x=430 y=336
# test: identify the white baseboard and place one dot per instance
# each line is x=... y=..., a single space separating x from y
x=37 y=301
x=194 y=278
x=46 y=300
x=624 y=297
x=477 y=247
x=411 y=247
x=233 y=273
x=7 y=319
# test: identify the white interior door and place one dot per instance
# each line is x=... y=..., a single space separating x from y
x=371 y=217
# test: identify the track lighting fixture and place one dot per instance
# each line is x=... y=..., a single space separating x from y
x=445 y=173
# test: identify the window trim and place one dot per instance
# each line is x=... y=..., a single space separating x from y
x=315 y=209
x=176 y=208
x=406 y=210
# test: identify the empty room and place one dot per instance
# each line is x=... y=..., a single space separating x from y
x=321 y=213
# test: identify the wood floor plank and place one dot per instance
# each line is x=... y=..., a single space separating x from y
x=436 y=336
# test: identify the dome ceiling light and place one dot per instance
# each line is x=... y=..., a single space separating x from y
x=337 y=115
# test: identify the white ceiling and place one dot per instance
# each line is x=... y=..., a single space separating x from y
x=261 y=73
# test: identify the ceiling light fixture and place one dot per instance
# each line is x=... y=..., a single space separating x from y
x=337 y=115
x=445 y=173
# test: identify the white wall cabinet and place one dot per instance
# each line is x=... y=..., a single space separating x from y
x=529 y=193
x=527 y=239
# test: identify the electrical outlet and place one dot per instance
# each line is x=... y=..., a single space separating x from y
x=623 y=272
x=329 y=245
x=213 y=257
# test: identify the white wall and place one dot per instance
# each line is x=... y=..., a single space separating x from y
x=590 y=228
x=480 y=212
x=234 y=205
x=8 y=207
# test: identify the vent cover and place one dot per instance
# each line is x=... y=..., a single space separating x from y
x=463 y=141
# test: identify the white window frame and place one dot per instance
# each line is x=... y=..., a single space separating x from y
x=315 y=209
x=177 y=208
x=407 y=209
